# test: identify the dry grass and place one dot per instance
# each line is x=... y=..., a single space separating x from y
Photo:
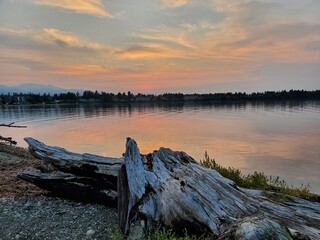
x=14 y=160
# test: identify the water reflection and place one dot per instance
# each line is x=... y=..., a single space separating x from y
x=279 y=138
x=35 y=112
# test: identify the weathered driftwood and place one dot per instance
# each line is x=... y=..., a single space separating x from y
x=73 y=187
x=87 y=165
x=9 y=139
x=11 y=125
x=169 y=189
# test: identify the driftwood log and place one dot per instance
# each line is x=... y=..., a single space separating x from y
x=170 y=189
x=9 y=139
x=83 y=177
x=11 y=125
x=72 y=187
x=82 y=164
x=87 y=165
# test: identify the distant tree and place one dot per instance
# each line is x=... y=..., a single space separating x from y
x=96 y=95
x=130 y=96
x=106 y=97
x=88 y=95
x=124 y=97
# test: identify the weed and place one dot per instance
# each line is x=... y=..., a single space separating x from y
x=162 y=234
x=258 y=180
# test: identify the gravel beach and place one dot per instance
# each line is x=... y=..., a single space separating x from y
x=28 y=212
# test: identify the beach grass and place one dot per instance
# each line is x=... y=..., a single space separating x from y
x=273 y=187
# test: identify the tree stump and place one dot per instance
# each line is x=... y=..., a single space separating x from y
x=170 y=189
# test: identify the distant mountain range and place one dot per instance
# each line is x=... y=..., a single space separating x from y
x=36 y=88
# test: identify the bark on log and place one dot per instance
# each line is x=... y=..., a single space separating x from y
x=88 y=165
x=169 y=189
x=73 y=187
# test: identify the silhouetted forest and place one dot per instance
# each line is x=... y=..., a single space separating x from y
x=104 y=97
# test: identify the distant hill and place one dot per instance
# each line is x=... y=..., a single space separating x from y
x=36 y=88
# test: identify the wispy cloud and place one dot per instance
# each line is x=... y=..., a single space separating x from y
x=81 y=69
x=228 y=6
x=174 y=3
x=257 y=31
x=166 y=35
x=168 y=42
x=46 y=50
x=149 y=51
x=65 y=39
x=91 y=7
x=201 y=25
x=26 y=63
x=38 y=39
x=54 y=36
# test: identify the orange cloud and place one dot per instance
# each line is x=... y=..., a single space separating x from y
x=64 y=39
x=166 y=35
x=91 y=7
x=227 y=6
x=52 y=36
x=82 y=69
x=149 y=51
x=191 y=52
x=57 y=37
x=174 y=3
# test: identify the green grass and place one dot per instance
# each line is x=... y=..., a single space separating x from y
x=162 y=234
x=258 y=180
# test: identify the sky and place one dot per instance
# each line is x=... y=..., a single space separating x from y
x=157 y=46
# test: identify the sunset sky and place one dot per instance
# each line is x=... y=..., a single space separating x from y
x=156 y=46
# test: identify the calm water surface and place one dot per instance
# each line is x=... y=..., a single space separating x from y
x=280 y=139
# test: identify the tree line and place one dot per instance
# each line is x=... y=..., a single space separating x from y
x=104 y=97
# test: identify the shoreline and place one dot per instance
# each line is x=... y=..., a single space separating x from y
x=28 y=212
x=183 y=102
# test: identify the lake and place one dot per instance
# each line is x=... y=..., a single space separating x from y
x=278 y=138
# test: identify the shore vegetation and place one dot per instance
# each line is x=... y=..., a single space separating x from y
x=106 y=97
x=273 y=187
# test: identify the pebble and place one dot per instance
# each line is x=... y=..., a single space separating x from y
x=90 y=233
x=48 y=218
